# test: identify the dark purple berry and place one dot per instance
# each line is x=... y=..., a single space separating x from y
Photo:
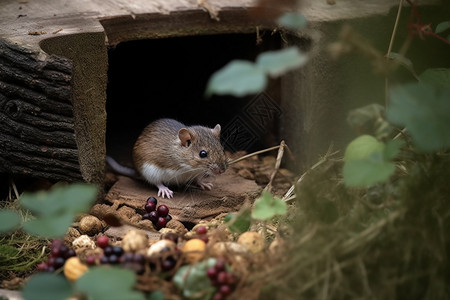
x=104 y=260
x=162 y=211
x=117 y=250
x=161 y=222
x=59 y=262
x=139 y=258
x=127 y=257
x=168 y=264
x=153 y=216
x=212 y=273
x=201 y=230
x=51 y=261
x=108 y=250
x=152 y=200
x=102 y=241
x=150 y=206
x=70 y=253
x=113 y=259
x=168 y=218
x=225 y=290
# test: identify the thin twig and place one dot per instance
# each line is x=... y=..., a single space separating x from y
x=290 y=193
x=253 y=154
x=388 y=54
x=268 y=187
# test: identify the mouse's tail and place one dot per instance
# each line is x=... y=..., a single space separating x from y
x=120 y=169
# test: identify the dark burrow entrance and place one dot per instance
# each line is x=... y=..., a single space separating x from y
x=155 y=78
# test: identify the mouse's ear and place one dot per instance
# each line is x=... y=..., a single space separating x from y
x=216 y=130
x=185 y=137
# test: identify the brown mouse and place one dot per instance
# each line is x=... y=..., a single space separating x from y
x=168 y=153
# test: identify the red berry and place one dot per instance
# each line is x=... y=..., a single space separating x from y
x=231 y=279
x=152 y=200
x=162 y=211
x=218 y=296
x=103 y=241
x=56 y=244
x=222 y=277
x=212 y=273
x=200 y=230
x=161 y=222
x=225 y=290
x=42 y=267
x=150 y=206
x=220 y=265
x=90 y=260
x=204 y=238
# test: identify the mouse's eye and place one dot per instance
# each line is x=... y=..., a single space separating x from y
x=203 y=154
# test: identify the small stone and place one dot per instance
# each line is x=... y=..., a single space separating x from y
x=194 y=250
x=134 y=240
x=252 y=240
x=177 y=226
x=83 y=242
x=90 y=225
x=223 y=248
x=161 y=246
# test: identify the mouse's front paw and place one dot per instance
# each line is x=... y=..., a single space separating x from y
x=164 y=191
x=205 y=185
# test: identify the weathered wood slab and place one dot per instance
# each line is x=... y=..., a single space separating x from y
x=191 y=205
x=37 y=133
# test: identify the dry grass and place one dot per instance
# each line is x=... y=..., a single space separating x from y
x=388 y=242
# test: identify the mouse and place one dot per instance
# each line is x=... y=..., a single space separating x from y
x=168 y=153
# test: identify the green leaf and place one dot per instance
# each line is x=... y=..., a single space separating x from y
x=392 y=148
x=441 y=27
x=156 y=295
x=194 y=282
x=268 y=206
x=292 y=21
x=406 y=62
x=49 y=226
x=276 y=63
x=74 y=198
x=106 y=283
x=439 y=77
x=369 y=161
x=10 y=220
x=55 y=209
x=238 y=78
x=367 y=172
x=362 y=148
x=425 y=112
x=240 y=222
x=46 y=286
